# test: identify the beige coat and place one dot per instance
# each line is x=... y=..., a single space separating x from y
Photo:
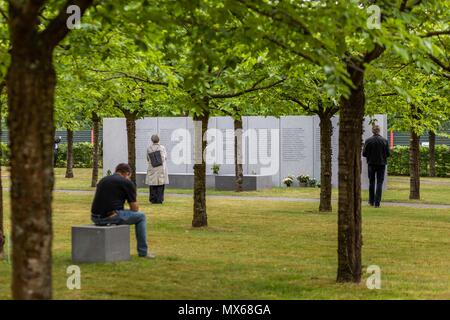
x=159 y=175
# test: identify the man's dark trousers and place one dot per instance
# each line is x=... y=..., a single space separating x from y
x=376 y=173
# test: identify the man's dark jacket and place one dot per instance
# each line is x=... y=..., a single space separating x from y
x=376 y=150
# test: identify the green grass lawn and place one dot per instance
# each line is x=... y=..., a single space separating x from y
x=254 y=250
x=434 y=190
x=81 y=180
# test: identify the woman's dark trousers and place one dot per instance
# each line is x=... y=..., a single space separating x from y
x=157 y=194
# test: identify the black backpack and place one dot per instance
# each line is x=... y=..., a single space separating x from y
x=155 y=158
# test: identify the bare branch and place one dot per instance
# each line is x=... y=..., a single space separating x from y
x=282 y=17
x=439 y=63
x=58 y=29
x=219 y=108
x=259 y=81
x=2 y=86
x=4 y=15
x=240 y=93
x=376 y=52
x=436 y=33
x=120 y=74
x=403 y=5
x=278 y=16
x=299 y=53
x=297 y=101
x=331 y=111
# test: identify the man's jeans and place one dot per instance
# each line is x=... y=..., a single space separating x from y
x=129 y=217
x=376 y=172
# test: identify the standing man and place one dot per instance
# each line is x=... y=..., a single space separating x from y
x=55 y=150
x=108 y=206
x=376 y=150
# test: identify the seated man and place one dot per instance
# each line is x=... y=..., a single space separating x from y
x=108 y=206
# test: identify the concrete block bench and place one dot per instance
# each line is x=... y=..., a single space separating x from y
x=177 y=180
x=221 y=182
x=227 y=182
x=92 y=243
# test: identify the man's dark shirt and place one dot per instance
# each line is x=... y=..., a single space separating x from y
x=376 y=150
x=112 y=192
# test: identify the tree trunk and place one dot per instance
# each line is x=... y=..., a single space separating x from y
x=131 y=139
x=2 y=232
x=326 y=131
x=31 y=83
x=349 y=211
x=69 y=165
x=238 y=168
x=414 y=166
x=432 y=148
x=95 y=149
x=200 y=218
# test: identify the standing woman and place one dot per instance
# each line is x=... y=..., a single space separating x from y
x=157 y=175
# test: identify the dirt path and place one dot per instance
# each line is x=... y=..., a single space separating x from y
x=281 y=199
x=422 y=181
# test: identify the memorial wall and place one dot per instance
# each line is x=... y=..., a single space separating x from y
x=271 y=146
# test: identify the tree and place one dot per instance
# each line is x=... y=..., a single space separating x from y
x=200 y=216
x=261 y=102
x=66 y=116
x=135 y=79
x=69 y=108
x=4 y=61
x=414 y=155
x=30 y=85
x=441 y=37
x=89 y=108
x=212 y=65
x=438 y=34
x=432 y=146
x=416 y=100
x=69 y=166
x=96 y=148
x=130 y=121
x=2 y=231
x=132 y=111
x=337 y=36
x=310 y=95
